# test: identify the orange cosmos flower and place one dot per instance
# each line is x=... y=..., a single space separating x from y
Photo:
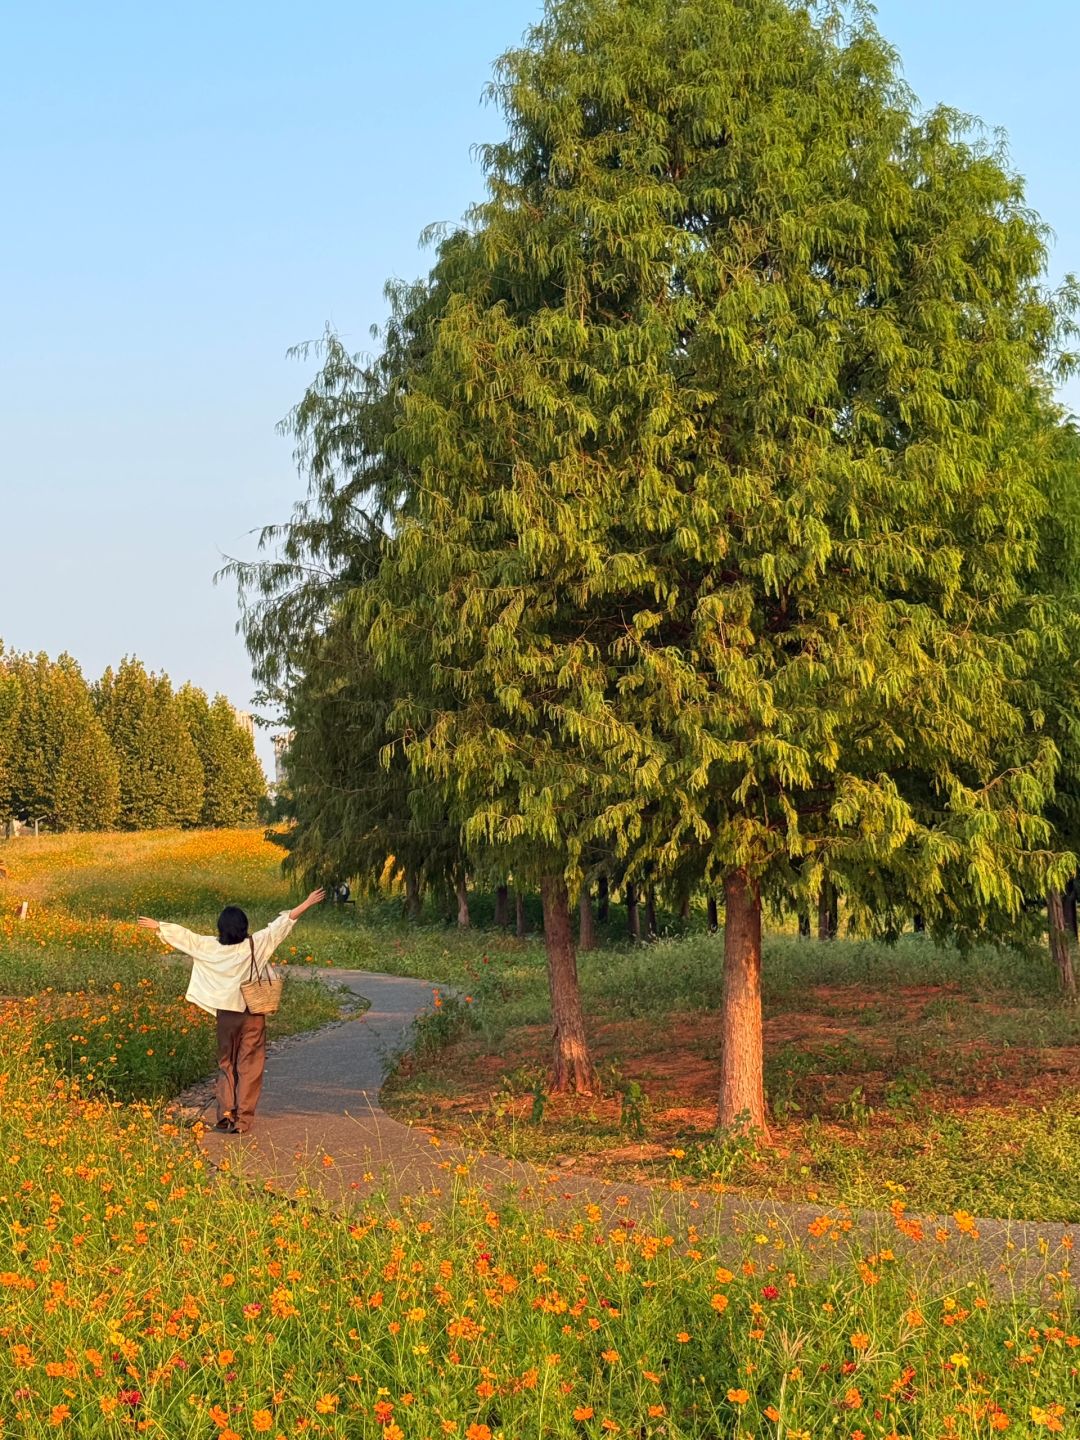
x=738 y=1397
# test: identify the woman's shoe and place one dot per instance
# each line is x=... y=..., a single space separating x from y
x=227 y=1127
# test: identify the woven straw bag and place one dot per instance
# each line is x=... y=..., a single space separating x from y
x=262 y=994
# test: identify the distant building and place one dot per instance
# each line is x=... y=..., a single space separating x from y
x=245 y=720
x=281 y=750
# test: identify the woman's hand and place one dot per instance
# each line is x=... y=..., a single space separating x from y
x=145 y=923
x=315 y=898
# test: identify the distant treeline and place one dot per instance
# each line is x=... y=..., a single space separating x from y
x=126 y=752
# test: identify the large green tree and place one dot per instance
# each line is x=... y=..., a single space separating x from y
x=61 y=768
x=1056 y=622
x=161 y=777
x=722 y=488
x=233 y=781
x=352 y=796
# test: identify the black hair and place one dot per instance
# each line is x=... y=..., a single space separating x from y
x=232 y=925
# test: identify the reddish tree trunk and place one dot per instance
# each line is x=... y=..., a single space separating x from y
x=502 y=907
x=571 y=1067
x=633 y=919
x=742 y=1085
x=463 y=904
x=586 y=927
x=1061 y=943
x=1069 y=899
x=519 y=914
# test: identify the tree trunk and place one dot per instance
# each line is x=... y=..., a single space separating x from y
x=462 y=904
x=1069 y=902
x=714 y=915
x=633 y=919
x=804 y=923
x=1062 y=943
x=571 y=1067
x=502 y=907
x=918 y=923
x=742 y=1084
x=684 y=909
x=519 y=914
x=602 y=900
x=650 y=913
x=586 y=928
x=413 y=902
x=827 y=914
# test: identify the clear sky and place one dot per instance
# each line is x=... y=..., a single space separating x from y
x=188 y=190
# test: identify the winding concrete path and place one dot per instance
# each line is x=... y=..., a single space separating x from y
x=320 y=1126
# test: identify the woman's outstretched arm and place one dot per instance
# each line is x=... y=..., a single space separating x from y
x=178 y=938
x=315 y=898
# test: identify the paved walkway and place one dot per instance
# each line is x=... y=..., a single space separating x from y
x=320 y=1126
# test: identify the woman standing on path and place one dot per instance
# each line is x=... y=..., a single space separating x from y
x=222 y=964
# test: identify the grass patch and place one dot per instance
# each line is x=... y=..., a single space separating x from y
x=954 y=1075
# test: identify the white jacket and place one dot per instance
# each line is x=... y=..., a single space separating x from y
x=220 y=970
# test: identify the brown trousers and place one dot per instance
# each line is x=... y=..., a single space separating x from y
x=241 y=1045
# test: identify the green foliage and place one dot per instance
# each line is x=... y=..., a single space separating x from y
x=696 y=519
x=10 y=697
x=724 y=487
x=233 y=782
x=60 y=767
x=161 y=777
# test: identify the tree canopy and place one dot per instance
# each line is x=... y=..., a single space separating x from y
x=709 y=474
x=126 y=751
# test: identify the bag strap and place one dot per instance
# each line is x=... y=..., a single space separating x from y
x=251 y=973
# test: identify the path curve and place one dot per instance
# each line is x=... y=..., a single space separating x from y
x=320 y=1125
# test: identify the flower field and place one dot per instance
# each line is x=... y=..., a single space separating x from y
x=141 y=1293
x=101 y=999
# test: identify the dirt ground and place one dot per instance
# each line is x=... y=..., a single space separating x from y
x=844 y=1050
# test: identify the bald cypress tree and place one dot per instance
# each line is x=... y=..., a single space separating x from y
x=161 y=777
x=724 y=500
x=233 y=781
x=61 y=768
x=10 y=693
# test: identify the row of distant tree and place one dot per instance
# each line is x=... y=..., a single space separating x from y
x=125 y=752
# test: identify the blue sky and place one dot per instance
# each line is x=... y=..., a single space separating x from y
x=189 y=190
